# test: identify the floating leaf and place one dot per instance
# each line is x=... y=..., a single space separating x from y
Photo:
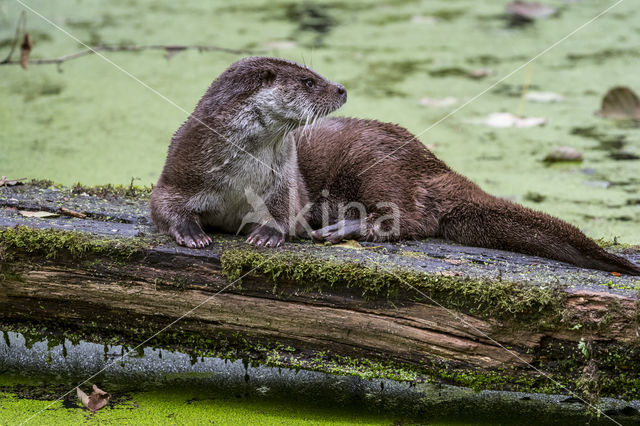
x=603 y=184
x=505 y=119
x=529 y=11
x=281 y=45
x=563 y=154
x=543 y=97
x=438 y=103
x=621 y=103
x=480 y=73
x=94 y=402
x=422 y=19
x=39 y=214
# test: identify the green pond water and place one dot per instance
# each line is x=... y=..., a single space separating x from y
x=157 y=386
x=89 y=121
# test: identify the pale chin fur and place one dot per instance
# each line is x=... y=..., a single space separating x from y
x=270 y=145
x=278 y=117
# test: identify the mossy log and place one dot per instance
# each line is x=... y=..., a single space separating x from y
x=417 y=311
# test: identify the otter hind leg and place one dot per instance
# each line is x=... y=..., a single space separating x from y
x=354 y=229
x=190 y=234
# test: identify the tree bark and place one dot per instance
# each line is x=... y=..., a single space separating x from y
x=421 y=310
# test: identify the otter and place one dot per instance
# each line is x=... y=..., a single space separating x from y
x=230 y=165
x=348 y=162
x=241 y=161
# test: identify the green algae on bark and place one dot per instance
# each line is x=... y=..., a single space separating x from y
x=483 y=297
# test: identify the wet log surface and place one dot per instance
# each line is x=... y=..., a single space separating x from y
x=431 y=309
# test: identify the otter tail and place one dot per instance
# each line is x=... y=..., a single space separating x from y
x=504 y=225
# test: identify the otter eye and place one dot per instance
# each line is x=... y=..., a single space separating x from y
x=309 y=82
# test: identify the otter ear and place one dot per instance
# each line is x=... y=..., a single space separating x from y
x=267 y=76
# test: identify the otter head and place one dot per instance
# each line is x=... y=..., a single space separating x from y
x=276 y=92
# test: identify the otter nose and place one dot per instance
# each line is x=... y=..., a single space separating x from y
x=342 y=92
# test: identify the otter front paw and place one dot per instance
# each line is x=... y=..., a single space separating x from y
x=265 y=236
x=191 y=235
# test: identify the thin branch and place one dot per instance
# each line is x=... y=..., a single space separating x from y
x=170 y=49
x=20 y=26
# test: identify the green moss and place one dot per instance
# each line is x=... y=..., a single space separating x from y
x=101 y=191
x=608 y=244
x=41 y=183
x=52 y=243
x=113 y=191
x=488 y=298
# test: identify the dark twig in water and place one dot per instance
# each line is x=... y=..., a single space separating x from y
x=20 y=27
x=170 y=49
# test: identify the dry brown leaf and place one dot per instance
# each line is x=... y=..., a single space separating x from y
x=621 y=103
x=456 y=261
x=94 y=402
x=84 y=398
x=25 y=49
x=10 y=182
x=41 y=214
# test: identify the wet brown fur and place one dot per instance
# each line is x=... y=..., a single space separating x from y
x=234 y=141
x=338 y=158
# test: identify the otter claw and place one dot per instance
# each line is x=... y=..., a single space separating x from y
x=343 y=230
x=265 y=236
x=192 y=236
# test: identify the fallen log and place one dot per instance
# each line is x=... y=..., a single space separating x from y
x=415 y=311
